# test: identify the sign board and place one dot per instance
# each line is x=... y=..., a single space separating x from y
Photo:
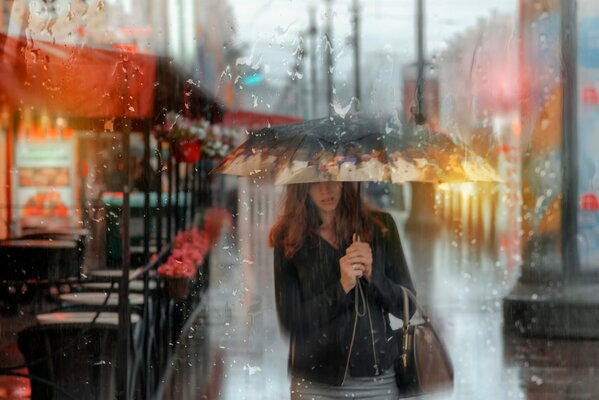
x=43 y=194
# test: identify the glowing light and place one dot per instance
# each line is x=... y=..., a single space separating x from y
x=60 y=122
x=467 y=189
x=443 y=187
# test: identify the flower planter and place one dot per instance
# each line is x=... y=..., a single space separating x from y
x=177 y=288
x=188 y=151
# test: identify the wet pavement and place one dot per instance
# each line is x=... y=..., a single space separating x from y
x=233 y=348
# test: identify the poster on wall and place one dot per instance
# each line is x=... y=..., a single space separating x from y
x=588 y=135
x=44 y=183
x=541 y=105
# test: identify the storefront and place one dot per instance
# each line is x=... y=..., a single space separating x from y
x=560 y=267
x=77 y=124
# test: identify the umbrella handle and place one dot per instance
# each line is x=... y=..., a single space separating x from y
x=359 y=198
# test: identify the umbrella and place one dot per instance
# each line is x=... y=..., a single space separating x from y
x=356 y=148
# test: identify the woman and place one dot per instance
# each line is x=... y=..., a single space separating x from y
x=334 y=291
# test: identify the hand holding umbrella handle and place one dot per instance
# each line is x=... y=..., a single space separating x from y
x=362 y=255
x=350 y=272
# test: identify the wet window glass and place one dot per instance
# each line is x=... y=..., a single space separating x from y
x=299 y=199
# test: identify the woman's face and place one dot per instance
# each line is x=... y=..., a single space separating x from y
x=325 y=195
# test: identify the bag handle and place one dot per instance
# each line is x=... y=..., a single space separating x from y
x=407 y=295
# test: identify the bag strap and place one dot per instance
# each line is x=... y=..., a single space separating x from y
x=406 y=309
x=407 y=295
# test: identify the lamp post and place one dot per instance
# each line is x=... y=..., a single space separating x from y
x=422 y=211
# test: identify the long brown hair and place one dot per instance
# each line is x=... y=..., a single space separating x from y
x=299 y=218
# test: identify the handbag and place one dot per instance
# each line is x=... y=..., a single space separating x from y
x=423 y=365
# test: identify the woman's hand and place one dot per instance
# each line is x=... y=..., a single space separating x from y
x=361 y=253
x=356 y=263
x=349 y=272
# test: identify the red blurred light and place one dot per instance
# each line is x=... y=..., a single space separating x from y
x=138 y=31
x=590 y=96
x=589 y=202
x=129 y=48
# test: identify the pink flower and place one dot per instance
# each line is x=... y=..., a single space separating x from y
x=175 y=268
x=191 y=246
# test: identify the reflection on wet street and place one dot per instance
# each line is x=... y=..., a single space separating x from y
x=234 y=350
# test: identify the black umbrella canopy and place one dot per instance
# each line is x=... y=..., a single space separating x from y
x=356 y=148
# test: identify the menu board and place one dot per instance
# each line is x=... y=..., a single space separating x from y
x=44 y=191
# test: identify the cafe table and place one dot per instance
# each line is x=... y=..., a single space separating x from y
x=99 y=298
x=136 y=286
x=38 y=259
x=82 y=317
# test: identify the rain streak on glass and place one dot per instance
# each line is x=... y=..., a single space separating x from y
x=153 y=151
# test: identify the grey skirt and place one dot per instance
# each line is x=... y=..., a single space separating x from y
x=376 y=387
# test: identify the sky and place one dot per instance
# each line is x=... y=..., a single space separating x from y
x=268 y=31
x=272 y=26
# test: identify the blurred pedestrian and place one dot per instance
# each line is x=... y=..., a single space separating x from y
x=334 y=291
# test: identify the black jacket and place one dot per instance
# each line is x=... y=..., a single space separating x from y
x=319 y=316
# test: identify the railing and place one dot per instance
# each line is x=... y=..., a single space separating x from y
x=150 y=343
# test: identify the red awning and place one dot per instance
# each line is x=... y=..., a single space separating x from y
x=254 y=120
x=75 y=81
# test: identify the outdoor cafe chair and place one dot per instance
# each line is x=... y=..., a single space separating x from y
x=76 y=358
x=70 y=348
x=99 y=292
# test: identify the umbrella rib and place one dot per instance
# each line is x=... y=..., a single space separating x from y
x=299 y=145
x=279 y=160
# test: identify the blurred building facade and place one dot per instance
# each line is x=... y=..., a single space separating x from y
x=478 y=75
x=198 y=36
x=195 y=36
x=555 y=294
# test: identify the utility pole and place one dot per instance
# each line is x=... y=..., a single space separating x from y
x=329 y=56
x=299 y=74
x=313 y=77
x=356 y=38
x=420 y=116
